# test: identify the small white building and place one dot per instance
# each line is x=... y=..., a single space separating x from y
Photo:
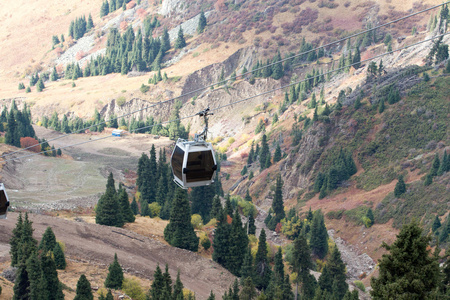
x=118 y=132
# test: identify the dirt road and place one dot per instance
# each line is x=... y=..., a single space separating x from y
x=137 y=254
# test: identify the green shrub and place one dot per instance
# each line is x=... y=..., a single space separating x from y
x=155 y=209
x=144 y=88
x=359 y=285
x=121 y=101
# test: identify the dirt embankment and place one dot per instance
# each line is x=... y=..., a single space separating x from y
x=138 y=254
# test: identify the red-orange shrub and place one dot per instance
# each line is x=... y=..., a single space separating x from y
x=26 y=142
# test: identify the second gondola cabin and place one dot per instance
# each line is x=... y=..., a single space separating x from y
x=193 y=163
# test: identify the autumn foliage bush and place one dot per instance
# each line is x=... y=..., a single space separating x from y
x=26 y=142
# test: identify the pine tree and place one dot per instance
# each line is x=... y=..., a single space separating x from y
x=114 y=278
x=381 y=106
x=262 y=266
x=264 y=152
x=319 y=235
x=408 y=271
x=443 y=165
x=60 y=259
x=238 y=245
x=357 y=59
x=277 y=154
x=247 y=269
x=251 y=224
x=134 y=206
x=180 y=232
x=34 y=270
x=21 y=284
x=50 y=280
x=48 y=241
x=248 y=291
x=28 y=244
x=436 y=224
x=125 y=208
x=302 y=264
x=435 y=165
x=221 y=240
x=400 y=187
x=277 y=205
x=370 y=217
x=201 y=201
x=90 y=23
x=277 y=67
x=157 y=287
x=216 y=209
x=84 y=291
x=108 y=208
x=180 y=42
x=201 y=22
x=177 y=288
x=15 y=241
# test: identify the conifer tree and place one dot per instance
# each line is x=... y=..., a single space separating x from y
x=201 y=22
x=201 y=201
x=114 y=278
x=357 y=59
x=302 y=264
x=238 y=245
x=216 y=209
x=15 y=241
x=60 y=259
x=228 y=209
x=157 y=287
x=83 y=291
x=319 y=235
x=436 y=224
x=90 y=23
x=34 y=270
x=262 y=266
x=334 y=279
x=125 y=209
x=50 y=280
x=21 y=284
x=435 y=166
x=28 y=244
x=408 y=271
x=12 y=133
x=251 y=224
x=108 y=208
x=264 y=152
x=370 y=217
x=443 y=165
x=247 y=269
x=277 y=154
x=221 y=240
x=134 y=206
x=248 y=291
x=180 y=232
x=277 y=67
x=381 y=106
x=180 y=42
x=177 y=288
x=48 y=241
x=400 y=187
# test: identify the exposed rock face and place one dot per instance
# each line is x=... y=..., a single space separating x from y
x=169 y=6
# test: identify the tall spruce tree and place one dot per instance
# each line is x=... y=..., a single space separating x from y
x=21 y=284
x=251 y=224
x=201 y=22
x=156 y=290
x=201 y=201
x=48 y=241
x=319 y=235
x=238 y=245
x=264 y=154
x=84 y=291
x=400 y=187
x=302 y=264
x=28 y=244
x=108 y=209
x=262 y=266
x=52 y=286
x=125 y=208
x=34 y=270
x=15 y=241
x=177 y=288
x=277 y=205
x=114 y=279
x=60 y=259
x=180 y=232
x=221 y=240
x=180 y=41
x=408 y=271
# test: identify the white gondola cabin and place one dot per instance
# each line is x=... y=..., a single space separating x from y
x=193 y=163
x=4 y=202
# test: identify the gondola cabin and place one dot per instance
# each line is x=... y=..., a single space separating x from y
x=193 y=163
x=4 y=202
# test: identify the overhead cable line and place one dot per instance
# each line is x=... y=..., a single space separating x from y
x=224 y=81
x=245 y=99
